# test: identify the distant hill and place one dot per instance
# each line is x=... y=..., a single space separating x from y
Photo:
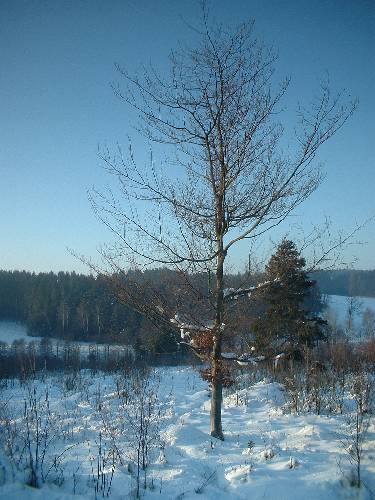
x=346 y=282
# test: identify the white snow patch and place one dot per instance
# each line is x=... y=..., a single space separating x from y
x=266 y=454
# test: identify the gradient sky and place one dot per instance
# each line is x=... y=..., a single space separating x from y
x=56 y=106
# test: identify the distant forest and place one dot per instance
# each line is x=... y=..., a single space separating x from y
x=80 y=307
x=74 y=307
x=346 y=282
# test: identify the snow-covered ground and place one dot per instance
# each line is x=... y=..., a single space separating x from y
x=338 y=306
x=11 y=331
x=267 y=453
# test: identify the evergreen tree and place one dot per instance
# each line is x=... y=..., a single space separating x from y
x=286 y=322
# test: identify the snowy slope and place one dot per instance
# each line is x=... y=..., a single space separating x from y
x=267 y=453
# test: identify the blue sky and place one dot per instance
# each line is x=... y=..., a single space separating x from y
x=56 y=107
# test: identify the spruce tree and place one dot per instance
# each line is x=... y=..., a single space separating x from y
x=286 y=323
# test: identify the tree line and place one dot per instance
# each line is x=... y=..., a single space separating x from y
x=74 y=307
x=349 y=282
x=83 y=307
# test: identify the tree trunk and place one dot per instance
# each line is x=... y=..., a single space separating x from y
x=216 y=380
x=216 y=400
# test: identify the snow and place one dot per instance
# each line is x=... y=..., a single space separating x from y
x=338 y=309
x=11 y=331
x=229 y=355
x=267 y=453
x=235 y=293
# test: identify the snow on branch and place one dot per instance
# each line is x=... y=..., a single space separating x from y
x=190 y=333
x=235 y=293
x=187 y=329
x=243 y=359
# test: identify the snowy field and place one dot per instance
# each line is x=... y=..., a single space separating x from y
x=11 y=331
x=268 y=453
x=338 y=306
x=88 y=428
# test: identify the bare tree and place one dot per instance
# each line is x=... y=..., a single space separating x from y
x=368 y=323
x=353 y=308
x=228 y=180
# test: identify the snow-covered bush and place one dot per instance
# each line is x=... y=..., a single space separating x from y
x=28 y=435
x=134 y=427
x=358 y=421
